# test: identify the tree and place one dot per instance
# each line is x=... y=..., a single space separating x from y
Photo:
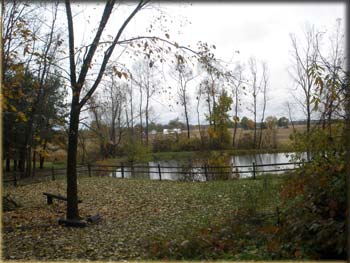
x=221 y=118
x=331 y=68
x=283 y=122
x=144 y=76
x=255 y=89
x=237 y=81
x=176 y=124
x=244 y=122
x=304 y=57
x=97 y=108
x=115 y=101
x=264 y=85
x=77 y=82
x=184 y=76
x=30 y=76
x=198 y=98
x=271 y=123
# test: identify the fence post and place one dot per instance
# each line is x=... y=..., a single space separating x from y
x=160 y=174
x=53 y=173
x=89 y=169
x=254 y=170
x=122 y=171
x=206 y=172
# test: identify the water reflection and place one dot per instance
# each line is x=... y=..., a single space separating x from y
x=200 y=171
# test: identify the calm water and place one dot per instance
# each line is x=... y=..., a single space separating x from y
x=174 y=170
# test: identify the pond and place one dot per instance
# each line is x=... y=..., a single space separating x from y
x=238 y=166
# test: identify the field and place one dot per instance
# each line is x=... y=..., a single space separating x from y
x=134 y=212
x=282 y=134
x=92 y=144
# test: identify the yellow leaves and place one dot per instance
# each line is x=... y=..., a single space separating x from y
x=22 y=116
x=12 y=108
x=212 y=133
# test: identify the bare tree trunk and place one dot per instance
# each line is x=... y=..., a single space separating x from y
x=140 y=110
x=8 y=160
x=34 y=163
x=22 y=161
x=41 y=156
x=308 y=129
x=255 y=88
x=72 y=187
x=28 y=170
x=235 y=92
x=264 y=80
x=198 y=117
x=235 y=120
x=147 y=113
x=131 y=111
x=187 y=121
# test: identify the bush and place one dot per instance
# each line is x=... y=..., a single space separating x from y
x=237 y=238
x=315 y=205
x=188 y=145
x=169 y=143
x=245 y=142
x=134 y=151
x=161 y=144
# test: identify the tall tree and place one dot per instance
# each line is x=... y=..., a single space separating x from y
x=304 y=56
x=236 y=79
x=255 y=89
x=30 y=51
x=264 y=85
x=184 y=75
x=145 y=77
x=219 y=133
x=332 y=93
x=77 y=82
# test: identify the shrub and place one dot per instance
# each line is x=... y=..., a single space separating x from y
x=162 y=144
x=315 y=205
x=133 y=150
x=245 y=142
x=237 y=238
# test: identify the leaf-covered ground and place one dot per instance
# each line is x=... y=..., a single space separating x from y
x=133 y=211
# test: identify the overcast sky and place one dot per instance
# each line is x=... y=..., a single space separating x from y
x=259 y=30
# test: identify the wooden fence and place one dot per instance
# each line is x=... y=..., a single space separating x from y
x=206 y=172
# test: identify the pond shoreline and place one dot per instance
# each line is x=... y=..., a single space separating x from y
x=185 y=155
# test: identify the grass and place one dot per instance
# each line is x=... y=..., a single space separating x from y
x=134 y=212
x=47 y=165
